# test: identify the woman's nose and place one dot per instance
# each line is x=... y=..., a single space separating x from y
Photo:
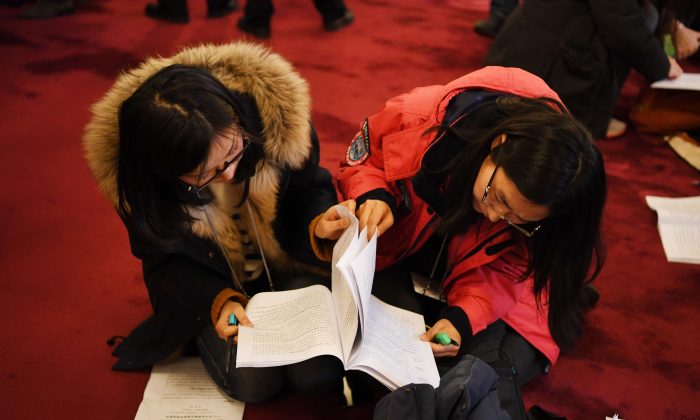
x=228 y=174
x=493 y=215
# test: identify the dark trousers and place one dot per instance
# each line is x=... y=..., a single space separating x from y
x=319 y=375
x=260 y=11
x=179 y=7
x=514 y=359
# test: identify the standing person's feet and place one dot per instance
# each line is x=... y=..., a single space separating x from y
x=336 y=24
x=256 y=28
x=488 y=27
x=43 y=9
x=157 y=11
x=221 y=8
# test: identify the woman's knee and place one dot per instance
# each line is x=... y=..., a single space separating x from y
x=255 y=385
x=316 y=376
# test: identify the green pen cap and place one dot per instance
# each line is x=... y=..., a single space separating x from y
x=442 y=338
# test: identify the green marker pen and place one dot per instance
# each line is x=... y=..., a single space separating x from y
x=229 y=350
x=669 y=48
x=444 y=339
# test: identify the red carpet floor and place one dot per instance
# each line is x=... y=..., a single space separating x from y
x=69 y=281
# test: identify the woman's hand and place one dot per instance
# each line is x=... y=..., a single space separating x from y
x=686 y=41
x=675 y=70
x=223 y=329
x=439 y=350
x=331 y=225
x=376 y=215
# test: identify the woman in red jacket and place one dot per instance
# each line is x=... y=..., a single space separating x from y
x=493 y=192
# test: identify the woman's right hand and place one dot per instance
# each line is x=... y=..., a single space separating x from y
x=675 y=70
x=331 y=225
x=686 y=40
x=223 y=329
x=376 y=215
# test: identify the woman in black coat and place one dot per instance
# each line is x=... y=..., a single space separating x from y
x=210 y=159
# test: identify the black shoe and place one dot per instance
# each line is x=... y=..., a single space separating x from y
x=258 y=30
x=222 y=9
x=43 y=9
x=489 y=27
x=156 y=11
x=336 y=24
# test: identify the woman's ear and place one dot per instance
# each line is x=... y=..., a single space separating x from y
x=499 y=141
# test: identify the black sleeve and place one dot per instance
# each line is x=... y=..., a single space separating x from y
x=460 y=320
x=623 y=27
x=378 y=194
x=189 y=281
x=304 y=194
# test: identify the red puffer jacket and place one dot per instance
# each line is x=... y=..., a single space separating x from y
x=483 y=276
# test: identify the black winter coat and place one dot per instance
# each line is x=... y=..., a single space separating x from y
x=583 y=50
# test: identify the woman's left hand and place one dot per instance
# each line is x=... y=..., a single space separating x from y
x=226 y=331
x=439 y=350
x=331 y=225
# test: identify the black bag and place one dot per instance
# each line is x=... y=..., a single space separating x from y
x=467 y=391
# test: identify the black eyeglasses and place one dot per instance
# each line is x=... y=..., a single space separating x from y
x=502 y=216
x=218 y=172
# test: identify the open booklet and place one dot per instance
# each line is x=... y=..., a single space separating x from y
x=349 y=323
x=679 y=227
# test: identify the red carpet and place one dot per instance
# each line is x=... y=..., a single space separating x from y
x=69 y=281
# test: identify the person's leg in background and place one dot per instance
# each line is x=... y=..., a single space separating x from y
x=169 y=10
x=256 y=18
x=621 y=69
x=334 y=13
x=221 y=8
x=43 y=9
x=499 y=10
x=176 y=10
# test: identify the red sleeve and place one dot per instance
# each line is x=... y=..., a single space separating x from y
x=359 y=176
x=488 y=292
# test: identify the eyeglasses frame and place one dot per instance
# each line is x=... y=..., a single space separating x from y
x=502 y=216
x=218 y=172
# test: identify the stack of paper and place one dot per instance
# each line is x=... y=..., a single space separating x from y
x=679 y=227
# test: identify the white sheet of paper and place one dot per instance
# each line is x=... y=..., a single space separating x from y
x=686 y=81
x=362 y=267
x=391 y=341
x=288 y=327
x=679 y=227
x=344 y=291
x=184 y=389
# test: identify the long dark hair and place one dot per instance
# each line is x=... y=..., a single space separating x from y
x=552 y=160
x=166 y=129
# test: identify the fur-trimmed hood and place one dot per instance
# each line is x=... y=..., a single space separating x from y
x=284 y=104
x=281 y=95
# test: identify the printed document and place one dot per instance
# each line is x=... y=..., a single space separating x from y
x=686 y=81
x=679 y=227
x=349 y=323
x=184 y=390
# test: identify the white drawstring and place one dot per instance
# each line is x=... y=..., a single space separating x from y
x=262 y=254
